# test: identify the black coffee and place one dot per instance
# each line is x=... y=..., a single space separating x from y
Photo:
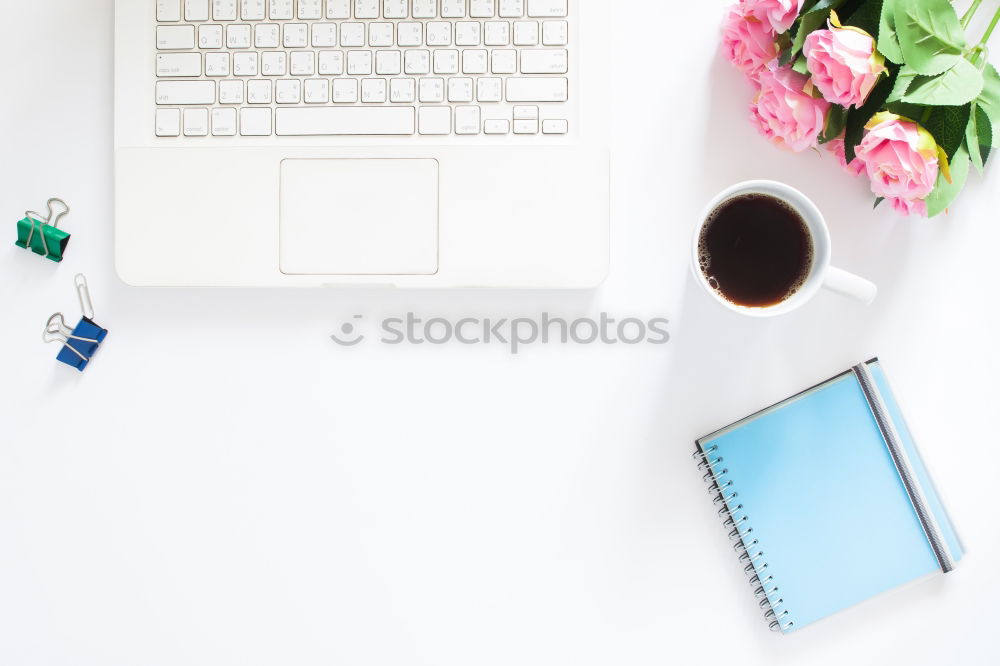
x=756 y=250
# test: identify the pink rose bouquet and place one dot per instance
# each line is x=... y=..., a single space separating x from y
x=894 y=89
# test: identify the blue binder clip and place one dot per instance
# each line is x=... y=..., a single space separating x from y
x=79 y=344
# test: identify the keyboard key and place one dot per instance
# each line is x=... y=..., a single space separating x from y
x=338 y=9
x=525 y=113
x=435 y=120
x=303 y=63
x=402 y=91
x=230 y=92
x=475 y=61
x=468 y=33
x=366 y=9
x=431 y=90
x=341 y=121
x=168 y=11
x=511 y=8
x=496 y=127
x=544 y=61
x=210 y=36
x=505 y=62
x=555 y=33
x=497 y=33
x=352 y=34
x=274 y=63
x=453 y=8
x=460 y=90
x=310 y=10
x=417 y=62
x=359 y=63
x=182 y=93
x=373 y=91
x=296 y=36
x=526 y=33
x=489 y=89
x=394 y=9
x=481 y=8
x=282 y=10
x=196 y=10
x=223 y=10
x=324 y=34
x=168 y=122
x=239 y=37
x=537 y=89
x=316 y=91
x=388 y=63
x=259 y=92
x=216 y=64
x=174 y=37
x=287 y=91
x=255 y=122
x=525 y=127
x=438 y=33
x=195 y=122
x=245 y=64
x=331 y=63
x=410 y=34
x=424 y=8
x=252 y=10
x=345 y=91
x=467 y=120
x=547 y=7
x=178 y=64
x=446 y=61
x=555 y=127
x=380 y=34
x=224 y=122
x=265 y=36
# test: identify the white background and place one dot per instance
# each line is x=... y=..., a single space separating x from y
x=226 y=486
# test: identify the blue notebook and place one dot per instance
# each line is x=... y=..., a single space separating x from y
x=827 y=499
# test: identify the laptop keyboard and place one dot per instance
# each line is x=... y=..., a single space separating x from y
x=257 y=68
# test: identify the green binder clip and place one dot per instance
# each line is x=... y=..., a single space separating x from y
x=43 y=236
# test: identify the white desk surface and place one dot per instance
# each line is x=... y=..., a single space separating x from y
x=226 y=486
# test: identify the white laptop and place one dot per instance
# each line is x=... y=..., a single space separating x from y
x=410 y=143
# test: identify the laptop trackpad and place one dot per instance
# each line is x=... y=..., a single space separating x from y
x=359 y=217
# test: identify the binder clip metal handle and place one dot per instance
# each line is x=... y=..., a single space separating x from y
x=57 y=209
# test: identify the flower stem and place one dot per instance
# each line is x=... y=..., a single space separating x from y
x=989 y=31
x=967 y=19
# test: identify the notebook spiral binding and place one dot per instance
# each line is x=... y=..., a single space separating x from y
x=751 y=556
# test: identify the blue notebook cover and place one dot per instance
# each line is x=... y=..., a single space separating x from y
x=828 y=499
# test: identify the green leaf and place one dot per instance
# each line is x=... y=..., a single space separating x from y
x=867 y=17
x=888 y=40
x=944 y=192
x=801 y=66
x=857 y=118
x=903 y=83
x=930 y=35
x=836 y=120
x=989 y=101
x=972 y=140
x=947 y=124
x=810 y=21
x=878 y=202
x=959 y=85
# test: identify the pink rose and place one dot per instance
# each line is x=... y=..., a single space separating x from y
x=784 y=112
x=837 y=147
x=747 y=43
x=781 y=14
x=916 y=207
x=900 y=156
x=844 y=63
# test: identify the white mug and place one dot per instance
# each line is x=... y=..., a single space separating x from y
x=821 y=275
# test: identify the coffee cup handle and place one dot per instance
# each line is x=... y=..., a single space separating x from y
x=849 y=284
